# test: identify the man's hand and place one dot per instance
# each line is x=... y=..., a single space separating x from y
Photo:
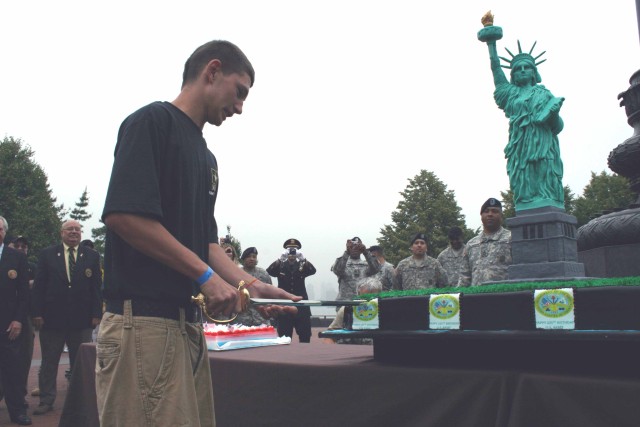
x=222 y=298
x=284 y=255
x=38 y=322
x=264 y=290
x=300 y=255
x=14 y=330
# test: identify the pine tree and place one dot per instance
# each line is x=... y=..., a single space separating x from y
x=79 y=213
x=427 y=207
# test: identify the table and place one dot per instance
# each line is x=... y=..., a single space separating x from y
x=320 y=384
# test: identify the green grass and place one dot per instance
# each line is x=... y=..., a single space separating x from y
x=513 y=287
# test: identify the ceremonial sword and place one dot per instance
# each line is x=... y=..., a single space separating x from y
x=305 y=302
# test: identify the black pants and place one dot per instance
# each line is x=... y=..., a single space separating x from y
x=301 y=321
x=12 y=375
x=52 y=343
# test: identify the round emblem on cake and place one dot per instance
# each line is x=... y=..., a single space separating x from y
x=366 y=311
x=444 y=306
x=12 y=274
x=554 y=303
x=88 y=272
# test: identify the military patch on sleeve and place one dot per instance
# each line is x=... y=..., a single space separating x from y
x=88 y=272
x=12 y=274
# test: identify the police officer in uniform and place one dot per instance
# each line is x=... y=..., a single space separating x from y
x=291 y=269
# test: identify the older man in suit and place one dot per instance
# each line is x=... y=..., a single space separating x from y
x=66 y=304
x=14 y=299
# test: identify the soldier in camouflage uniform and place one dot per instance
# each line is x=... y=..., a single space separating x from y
x=451 y=258
x=419 y=271
x=351 y=269
x=249 y=260
x=385 y=275
x=488 y=255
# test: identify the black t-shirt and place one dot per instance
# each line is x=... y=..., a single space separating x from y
x=162 y=170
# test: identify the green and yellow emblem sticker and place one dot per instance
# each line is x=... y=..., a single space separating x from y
x=554 y=308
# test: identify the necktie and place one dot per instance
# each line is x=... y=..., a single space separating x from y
x=72 y=262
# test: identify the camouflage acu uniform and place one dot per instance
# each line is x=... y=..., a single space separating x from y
x=486 y=258
x=351 y=271
x=452 y=260
x=252 y=317
x=385 y=275
x=423 y=273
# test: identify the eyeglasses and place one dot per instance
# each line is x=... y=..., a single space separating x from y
x=72 y=228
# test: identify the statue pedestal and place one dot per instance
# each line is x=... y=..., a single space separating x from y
x=544 y=245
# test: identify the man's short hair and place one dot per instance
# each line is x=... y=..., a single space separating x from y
x=232 y=58
x=454 y=233
x=376 y=248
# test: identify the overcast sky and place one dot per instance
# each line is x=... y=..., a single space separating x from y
x=351 y=99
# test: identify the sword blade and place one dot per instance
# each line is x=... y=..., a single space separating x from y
x=304 y=303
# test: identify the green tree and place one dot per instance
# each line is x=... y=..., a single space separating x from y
x=426 y=207
x=79 y=213
x=509 y=210
x=26 y=200
x=603 y=193
x=97 y=235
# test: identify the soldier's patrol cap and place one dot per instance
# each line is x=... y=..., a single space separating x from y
x=248 y=252
x=419 y=236
x=356 y=240
x=491 y=203
x=292 y=243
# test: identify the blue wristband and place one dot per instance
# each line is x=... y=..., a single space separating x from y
x=205 y=276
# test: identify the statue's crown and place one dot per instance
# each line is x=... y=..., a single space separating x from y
x=528 y=57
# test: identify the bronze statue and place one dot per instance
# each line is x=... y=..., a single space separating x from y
x=533 y=152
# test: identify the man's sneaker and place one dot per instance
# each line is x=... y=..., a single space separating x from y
x=35 y=392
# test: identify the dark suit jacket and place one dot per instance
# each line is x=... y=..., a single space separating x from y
x=65 y=305
x=14 y=288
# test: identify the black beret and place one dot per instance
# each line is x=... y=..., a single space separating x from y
x=21 y=239
x=419 y=236
x=491 y=203
x=248 y=252
x=292 y=243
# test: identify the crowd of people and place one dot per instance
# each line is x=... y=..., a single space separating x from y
x=60 y=297
x=162 y=248
x=64 y=301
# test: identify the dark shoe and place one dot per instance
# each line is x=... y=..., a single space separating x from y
x=22 y=420
x=42 y=409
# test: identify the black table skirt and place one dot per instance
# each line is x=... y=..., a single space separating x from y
x=323 y=385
